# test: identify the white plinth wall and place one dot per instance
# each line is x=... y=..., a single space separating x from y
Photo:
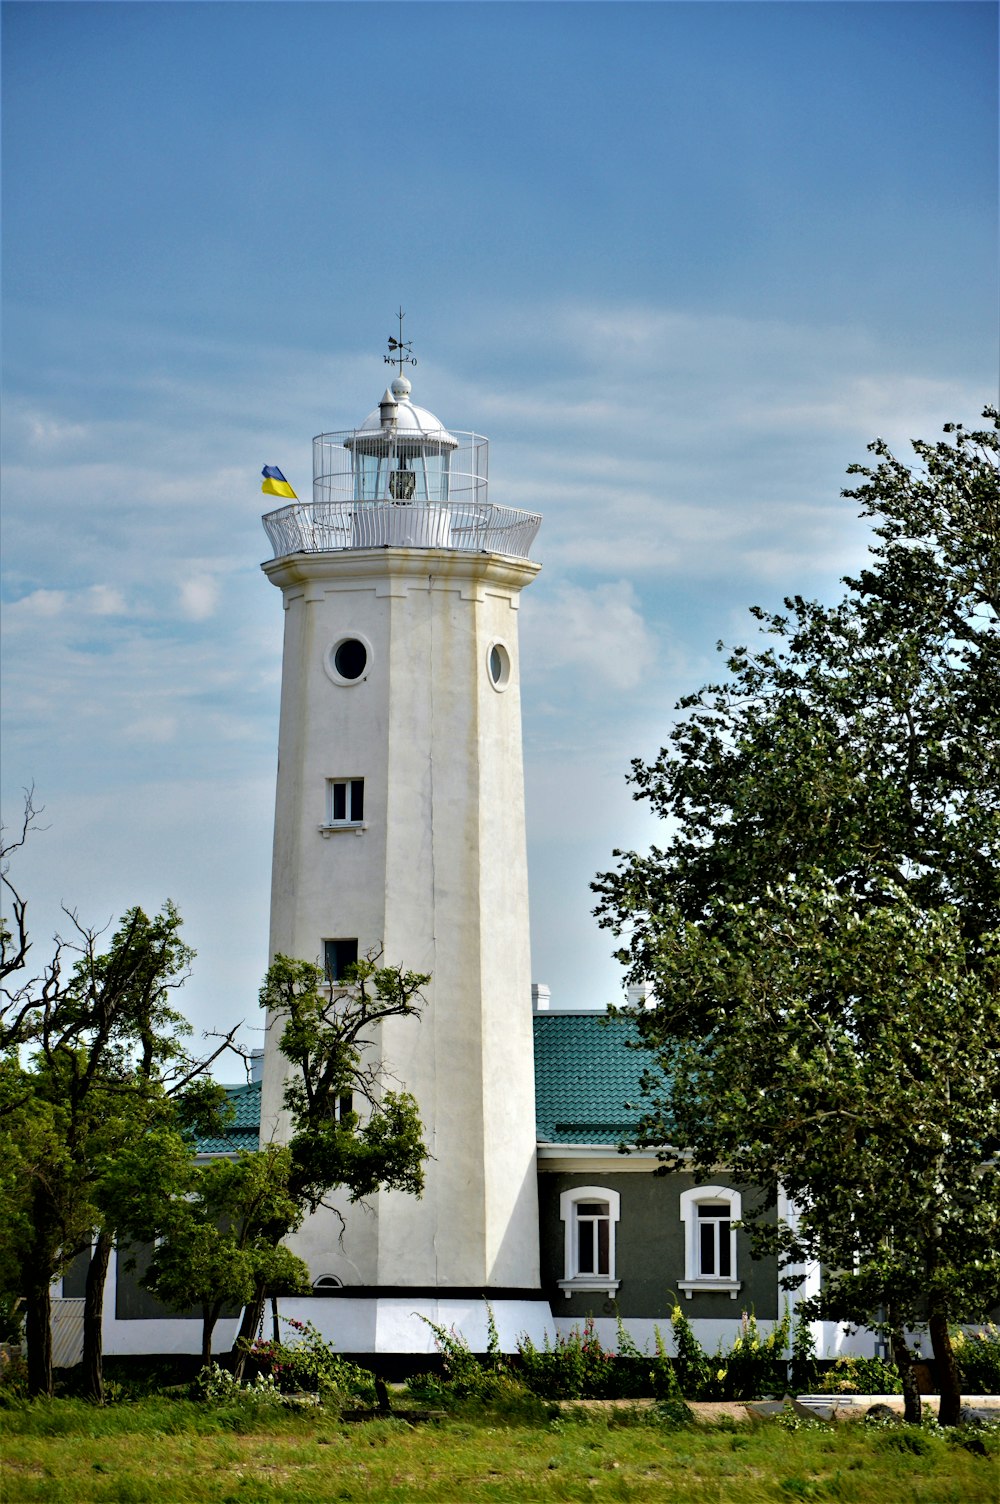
x=436 y=876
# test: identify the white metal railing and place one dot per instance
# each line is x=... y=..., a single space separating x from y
x=471 y=527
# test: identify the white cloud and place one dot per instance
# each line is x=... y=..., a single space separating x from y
x=599 y=631
x=199 y=597
x=152 y=729
x=38 y=603
x=106 y=600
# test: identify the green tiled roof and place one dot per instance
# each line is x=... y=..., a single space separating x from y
x=586 y=1085
x=243 y=1131
x=586 y=1081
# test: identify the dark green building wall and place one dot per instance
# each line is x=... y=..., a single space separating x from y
x=649 y=1252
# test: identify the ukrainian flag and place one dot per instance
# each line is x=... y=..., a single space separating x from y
x=275 y=483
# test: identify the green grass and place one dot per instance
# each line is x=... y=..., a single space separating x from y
x=161 y=1451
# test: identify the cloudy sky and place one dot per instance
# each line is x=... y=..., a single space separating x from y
x=680 y=262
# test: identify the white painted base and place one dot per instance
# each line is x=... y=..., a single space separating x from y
x=169 y=1335
x=397 y=1324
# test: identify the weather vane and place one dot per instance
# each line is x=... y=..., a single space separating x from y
x=400 y=350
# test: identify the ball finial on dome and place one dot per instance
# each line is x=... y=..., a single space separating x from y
x=401 y=387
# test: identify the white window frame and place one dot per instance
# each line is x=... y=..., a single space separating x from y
x=568 y=1202
x=332 y=825
x=694 y=1282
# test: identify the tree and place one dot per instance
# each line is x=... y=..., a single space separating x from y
x=350 y=1129
x=821 y=928
x=216 y=1245
x=106 y=1062
x=23 y=997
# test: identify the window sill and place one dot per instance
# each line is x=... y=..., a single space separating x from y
x=589 y=1282
x=708 y=1286
x=341 y=827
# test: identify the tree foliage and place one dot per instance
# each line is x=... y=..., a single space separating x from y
x=218 y=1236
x=821 y=927
x=350 y=1128
x=93 y=1058
x=330 y=1037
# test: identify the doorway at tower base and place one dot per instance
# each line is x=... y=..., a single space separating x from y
x=398 y=1324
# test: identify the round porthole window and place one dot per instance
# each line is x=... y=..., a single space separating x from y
x=498 y=660
x=349 y=660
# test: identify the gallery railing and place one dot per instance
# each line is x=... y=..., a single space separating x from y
x=471 y=527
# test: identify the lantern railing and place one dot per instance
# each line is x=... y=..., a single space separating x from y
x=468 y=526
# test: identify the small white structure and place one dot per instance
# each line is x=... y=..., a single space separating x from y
x=399 y=825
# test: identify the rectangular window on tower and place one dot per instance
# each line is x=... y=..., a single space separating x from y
x=338 y=955
x=345 y=801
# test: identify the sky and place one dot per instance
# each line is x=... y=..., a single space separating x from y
x=679 y=262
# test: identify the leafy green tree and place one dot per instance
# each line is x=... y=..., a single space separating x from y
x=349 y=1130
x=821 y=927
x=106 y=1061
x=216 y=1242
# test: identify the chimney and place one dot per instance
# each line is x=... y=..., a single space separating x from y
x=640 y=995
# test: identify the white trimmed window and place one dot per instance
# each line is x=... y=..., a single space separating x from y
x=709 y=1214
x=589 y=1214
x=345 y=803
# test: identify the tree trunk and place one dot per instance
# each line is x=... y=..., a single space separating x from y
x=93 y=1318
x=253 y=1315
x=903 y=1359
x=209 y=1316
x=38 y=1335
x=949 y=1384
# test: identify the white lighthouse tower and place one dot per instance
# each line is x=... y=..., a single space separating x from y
x=399 y=826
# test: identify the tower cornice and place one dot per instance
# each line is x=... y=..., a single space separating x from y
x=439 y=564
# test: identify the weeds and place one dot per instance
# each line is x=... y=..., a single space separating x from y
x=308 y=1362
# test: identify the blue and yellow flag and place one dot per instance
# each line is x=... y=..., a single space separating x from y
x=275 y=483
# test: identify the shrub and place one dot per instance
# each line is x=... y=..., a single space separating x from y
x=755 y=1364
x=803 y=1369
x=13 y=1375
x=575 y=1367
x=217 y=1386
x=466 y=1377
x=691 y=1363
x=309 y=1362
x=861 y=1376
x=673 y=1414
x=578 y=1366
x=978 y=1357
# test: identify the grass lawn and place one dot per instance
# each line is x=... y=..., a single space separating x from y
x=172 y=1451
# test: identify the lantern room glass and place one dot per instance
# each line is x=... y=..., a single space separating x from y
x=401 y=471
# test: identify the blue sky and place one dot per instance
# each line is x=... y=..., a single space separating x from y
x=680 y=262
